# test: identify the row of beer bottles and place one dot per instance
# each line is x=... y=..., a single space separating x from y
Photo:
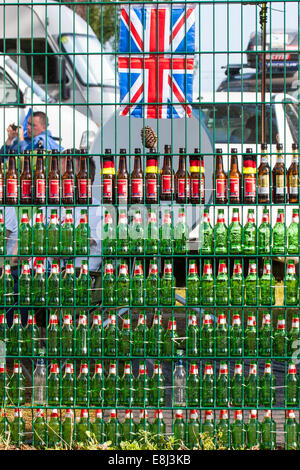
x=40 y=186
x=229 y=187
x=164 y=185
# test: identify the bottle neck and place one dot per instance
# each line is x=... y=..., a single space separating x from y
x=39 y=164
x=54 y=164
x=137 y=168
x=233 y=163
x=122 y=164
x=12 y=163
x=26 y=164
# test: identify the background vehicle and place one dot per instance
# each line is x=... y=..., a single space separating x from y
x=86 y=79
x=18 y=91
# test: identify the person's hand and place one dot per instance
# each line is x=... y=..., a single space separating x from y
x=11 y=134
x=21 y=133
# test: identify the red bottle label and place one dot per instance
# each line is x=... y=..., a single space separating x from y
x=1 y=188
x=195 y=188
x=40 y=188
x=137 y=187
x=250 y=186
x=12 y=188
x=26 y=189
x=221 y=188
x=234 y=187
x=151 y=188
x=183 y=187
x=107 y=188
x=122 y=188
x=53 y=189
x=166 y=184
x=84 y=188
x=68 y=188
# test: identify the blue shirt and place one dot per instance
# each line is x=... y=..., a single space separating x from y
x=27 y=144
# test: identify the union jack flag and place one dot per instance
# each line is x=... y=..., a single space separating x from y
x=156 y=74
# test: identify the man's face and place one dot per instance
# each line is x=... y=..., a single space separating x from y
x=35 y=126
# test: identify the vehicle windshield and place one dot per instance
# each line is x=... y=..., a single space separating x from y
x=88 y=64
x=30 y=83
x=238 y=123
x=292 y=116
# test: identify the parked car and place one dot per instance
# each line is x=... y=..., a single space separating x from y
x=18 y=92
x=61 y=52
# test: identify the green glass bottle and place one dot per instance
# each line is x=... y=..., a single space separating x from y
x=193 y=285
x=82 y=385
x=31 y=336
x=54 y=385
x=54 y=425
x=221 y=335
x=96 y=386
x=268 y=432
x=264 y=234
x=53 y=336
x=68 y=386
x=4 y=426
x=206 y=235
x=236 y=284
x=250 y=341
x=252 y=430
x=136 y=234
x=193 y=438
x=82 y=427
x=223 y=431
x=251 y=386
x=208 y=425
x=25 y=284
x=109 y=285
x=25 y=231
x=291 y=284
x=279 y=234
x=207 y=284
x=122 y=234
x=38 y=235
x=237 y=385
x=98 y=427
x=108 y=235
x=193 y=336
x=123 y=284
x=53 y=285
x=96 y=335
x=235 y=233
x=193 y=386
x=220 y=234
x=222 y=287
x=222 y=386
x=137 y=285
x=236 y=336
x=208 y=384
x=181 y=234
x=292 y=387
x=152 y=233
x=293 y=234
x=15 y=344
x=238 y=440
x=128 y=427
x=179 y=430
x=267 y=386
x=279 y=338
x=40 y=430
x=251 y=284
x=157 y=386
x=110 y=336
x=267 y=285
x=158 y=427
x=83 y=285
x=67 y=235
x=156 y=336
x=4 y=383
x=170 y=342
x=152 y=284
x=53 y=232
x=68 y=285
x=141 y=385
x=250 y=234
x=67 y=429
x=81 y=336
x=67 y=336
x=126 y=384
x=167 y=285
x=82 y=235
x=291 y=429
x=110 y=386
x=17 y=428
x=39 y=285
x=140 y=336
x=113 y=429
x=166 y=234
x=6 y=286
x=265 y=336
x=207 y=336
x=293 y=336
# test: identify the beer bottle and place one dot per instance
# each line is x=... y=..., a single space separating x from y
x=235 y=179
x=108 y=181
x=220 y=183
x=293 y=176
x=53 y=180
x=249 y=176
x=83 y=181
x=278 y=177
x=1 y=184
x=167 y=176
x=67 y=180
x=122 y=179
x=26 y=180
x=11 y=184
x=263 y=178
x=182 y=180
x=137 y=194
x=39 y=180
x=151 y=178
x=197 y=179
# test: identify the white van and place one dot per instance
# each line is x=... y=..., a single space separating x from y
x=18 y=92
x=61 y=52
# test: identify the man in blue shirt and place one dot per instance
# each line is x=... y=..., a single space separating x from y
x=37 y=135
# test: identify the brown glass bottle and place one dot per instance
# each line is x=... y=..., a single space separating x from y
x=249 y=177
x=263 y=177
x=11 y=183
x=235 y=179
x=26 y=180
x=182 y=180
x=53 y=179
x=108 y=179
x=278 y=177
x=67 y=180
x=166 y=180
x=197 y=178
x=83 y=181
x=220 y=185
x=151 y=178
x=293 y=176
x=1 y=184
x=39 y=180
x=122 y=179
x=137 y=193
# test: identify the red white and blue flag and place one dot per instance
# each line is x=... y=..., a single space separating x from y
x=156 y=61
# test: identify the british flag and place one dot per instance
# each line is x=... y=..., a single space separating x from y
x=156 y=61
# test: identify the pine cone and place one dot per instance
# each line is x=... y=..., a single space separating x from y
x=150 y=137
